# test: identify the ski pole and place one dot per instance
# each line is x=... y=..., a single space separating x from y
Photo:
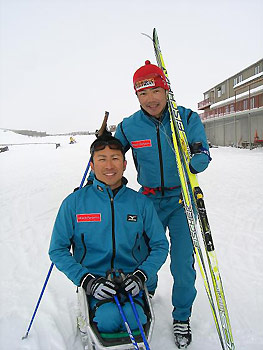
x=134 y=343
x=38 y=302
x=103 y=126
x=50 y=270
x=85 y=174
x=138 y=322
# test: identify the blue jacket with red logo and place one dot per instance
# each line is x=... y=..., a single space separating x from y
x=152 y=146
x=107 y=232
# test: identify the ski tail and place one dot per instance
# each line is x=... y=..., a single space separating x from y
x=214 y=270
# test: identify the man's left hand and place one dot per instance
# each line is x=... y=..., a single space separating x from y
x=133 y=283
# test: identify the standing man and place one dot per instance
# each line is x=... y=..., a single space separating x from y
x=147 y=132
x=111 y=228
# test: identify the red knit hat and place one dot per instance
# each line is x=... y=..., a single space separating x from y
x=149 y=76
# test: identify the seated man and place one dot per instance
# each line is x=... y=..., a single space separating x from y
x=111 y=228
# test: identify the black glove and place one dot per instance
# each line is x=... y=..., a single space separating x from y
x=99 y=287
x=133 y=283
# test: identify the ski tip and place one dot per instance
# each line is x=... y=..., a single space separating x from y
x=148 y=36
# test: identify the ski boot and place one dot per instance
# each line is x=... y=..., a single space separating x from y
x=182 y=333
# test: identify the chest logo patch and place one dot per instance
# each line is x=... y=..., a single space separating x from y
x=141 y=143
x=88 y=217
x=132 y=218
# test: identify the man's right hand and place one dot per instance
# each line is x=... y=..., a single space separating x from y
x=99 y=287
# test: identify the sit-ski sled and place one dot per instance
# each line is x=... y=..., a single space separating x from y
x=94 y=340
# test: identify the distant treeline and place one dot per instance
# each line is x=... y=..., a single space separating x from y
x=74 y=133
x=44 y=133
x=31 y=133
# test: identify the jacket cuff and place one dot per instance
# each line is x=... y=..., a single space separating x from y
x=85 y=280
x=141 y=275
x=193 y=171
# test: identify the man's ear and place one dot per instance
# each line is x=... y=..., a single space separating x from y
x=92 y=166
x=124 y=165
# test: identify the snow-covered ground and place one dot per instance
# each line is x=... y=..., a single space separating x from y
x=34 y=180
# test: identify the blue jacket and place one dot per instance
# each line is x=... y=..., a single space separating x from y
x=152 y=146
x=105 y=232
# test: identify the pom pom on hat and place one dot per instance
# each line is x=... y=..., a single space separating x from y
x=149 y=76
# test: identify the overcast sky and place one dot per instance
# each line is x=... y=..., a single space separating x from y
x=64 y=62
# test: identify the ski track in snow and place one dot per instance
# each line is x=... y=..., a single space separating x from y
x=36 y=178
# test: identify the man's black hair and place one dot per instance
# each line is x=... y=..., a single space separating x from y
x=106 y=140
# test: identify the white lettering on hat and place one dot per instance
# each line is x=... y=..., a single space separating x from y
x=142 y=84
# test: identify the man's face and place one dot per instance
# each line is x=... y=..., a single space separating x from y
x=108 y=166
x=153 y=101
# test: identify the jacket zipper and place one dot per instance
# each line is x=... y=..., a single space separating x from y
x=85 y=248
x=160 y=157
x=112 y=232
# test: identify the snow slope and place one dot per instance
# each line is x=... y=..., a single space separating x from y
x=34 y=180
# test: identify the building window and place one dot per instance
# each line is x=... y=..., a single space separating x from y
x=206 y=96
x=219 y=92
x=235 y=81
x=252 y=102
x=240 y=78
x=257 y=69
x=223 y=89
x=244 y=104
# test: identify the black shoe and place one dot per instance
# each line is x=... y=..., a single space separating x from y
x=182 y=333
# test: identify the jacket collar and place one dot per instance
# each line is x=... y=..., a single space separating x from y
x=101 y=187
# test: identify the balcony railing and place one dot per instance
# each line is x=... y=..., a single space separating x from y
x=204 y=104
x=238 y=106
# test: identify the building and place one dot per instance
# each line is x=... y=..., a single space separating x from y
x=233 y=110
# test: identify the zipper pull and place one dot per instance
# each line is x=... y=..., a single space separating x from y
x=109 y=194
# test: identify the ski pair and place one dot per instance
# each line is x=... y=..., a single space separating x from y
x=183 y=156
